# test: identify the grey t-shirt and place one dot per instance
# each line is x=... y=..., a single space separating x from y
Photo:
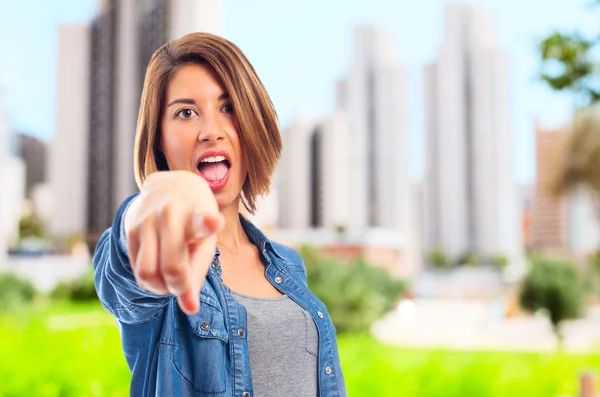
x=283 y=346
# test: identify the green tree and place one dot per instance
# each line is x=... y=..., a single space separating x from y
x=568 y=66
x=555 y=287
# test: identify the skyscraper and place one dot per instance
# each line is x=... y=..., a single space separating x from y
x=471 y=197
x=12 y=183
x=68 y=149
x=550 y=209
x=314 y=177
x=33 y=151
x=350 y=170
x=124 y=37
x=101 y=159
x=373 y=98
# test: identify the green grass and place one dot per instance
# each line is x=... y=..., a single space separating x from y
x=81 y=358
x=74 y=350
x=374 y=369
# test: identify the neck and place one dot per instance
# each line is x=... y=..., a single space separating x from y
x=232 y=236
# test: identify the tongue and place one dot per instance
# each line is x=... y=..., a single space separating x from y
x=213 y=172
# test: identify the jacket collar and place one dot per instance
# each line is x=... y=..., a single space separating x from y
x=258 y=238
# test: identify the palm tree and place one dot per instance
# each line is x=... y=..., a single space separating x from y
x=568 y=65
x=582 y=165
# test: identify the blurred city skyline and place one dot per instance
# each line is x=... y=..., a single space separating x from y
x=300 y=66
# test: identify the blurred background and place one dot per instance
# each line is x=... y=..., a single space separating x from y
x=440 y=177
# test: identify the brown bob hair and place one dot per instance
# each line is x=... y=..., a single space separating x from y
x=254 y=113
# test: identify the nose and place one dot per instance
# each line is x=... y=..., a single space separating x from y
x=210 y=130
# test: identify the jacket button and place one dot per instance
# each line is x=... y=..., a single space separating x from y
x=328 y=370
x=241 y=333
x=215 y=265
x=320 y=314
x=245 y=394
x=205 y=325
x=278 y=280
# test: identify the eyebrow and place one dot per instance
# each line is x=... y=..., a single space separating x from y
x=190 y=101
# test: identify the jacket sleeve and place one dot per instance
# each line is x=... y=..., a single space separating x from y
x=114 y=279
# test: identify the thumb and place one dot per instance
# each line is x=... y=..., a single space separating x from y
x=189 y=301
x=200 y=254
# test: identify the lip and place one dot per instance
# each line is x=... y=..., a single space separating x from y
x=215 y=185
x=213 y=153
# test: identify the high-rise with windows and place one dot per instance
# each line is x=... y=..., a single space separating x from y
x=68 y=156
x=120 y=42
x=314 y=178
x=471 y=197
x=12 y=182
x=373 y=97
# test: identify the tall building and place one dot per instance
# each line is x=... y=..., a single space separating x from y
x=314 y=176
x=68 y=149
x=350 y=170
x=563 y=222
x=123 y=38
x=101 y=165
x=550 y=209
x=33 y=151
x=471 y=196
x=12 y=183
x=373 y=97
x=344 y=184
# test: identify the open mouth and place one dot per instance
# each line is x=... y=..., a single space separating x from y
x=215 y=170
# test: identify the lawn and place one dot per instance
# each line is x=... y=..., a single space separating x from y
x=74 y=350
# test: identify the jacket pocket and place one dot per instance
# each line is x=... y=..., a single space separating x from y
x=201 y=349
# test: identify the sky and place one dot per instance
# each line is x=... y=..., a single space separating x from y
x=300 y=49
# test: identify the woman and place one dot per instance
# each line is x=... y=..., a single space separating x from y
x=197 y=320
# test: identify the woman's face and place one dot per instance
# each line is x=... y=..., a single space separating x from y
x=199 y=131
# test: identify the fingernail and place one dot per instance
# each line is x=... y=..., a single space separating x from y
x=200 y=229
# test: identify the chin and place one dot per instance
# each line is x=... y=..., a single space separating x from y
x=225 y=200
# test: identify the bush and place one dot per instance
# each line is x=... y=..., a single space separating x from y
x=31 y=227
x=438 y=259
x=15 y=291
x=555 y=287
x=82 y=289
x=593 y=270
x=355 y=294
x=500 y=261
x=468 y=258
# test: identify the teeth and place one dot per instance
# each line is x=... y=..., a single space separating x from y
x=214 y=159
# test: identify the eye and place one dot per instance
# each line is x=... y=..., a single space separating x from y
x=186 y=114
x=227 y=108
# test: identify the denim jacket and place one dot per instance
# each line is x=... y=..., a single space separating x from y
x=174 y=354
